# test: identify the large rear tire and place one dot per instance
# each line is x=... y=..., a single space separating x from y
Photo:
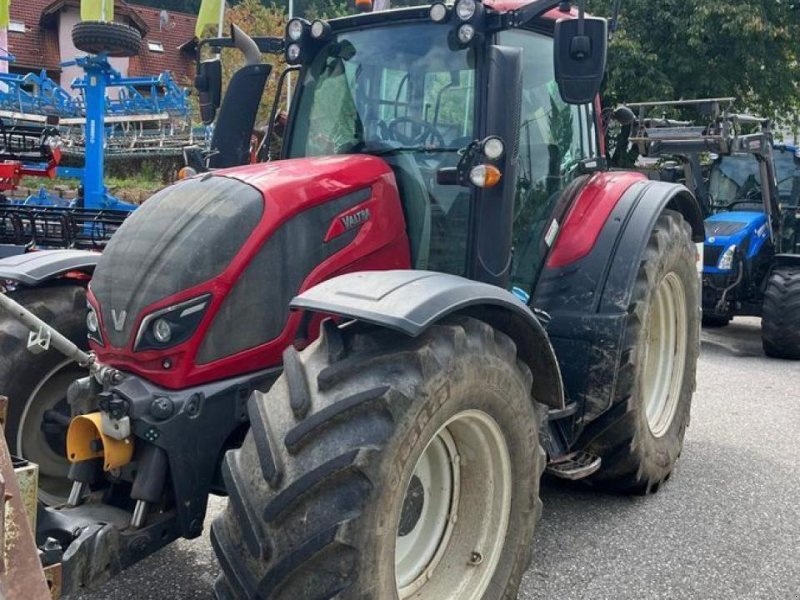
x=380 y=466
x=36 y=384
x=780 y=315
x=641 y=436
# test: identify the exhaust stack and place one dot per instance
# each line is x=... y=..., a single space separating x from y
x=245 y=44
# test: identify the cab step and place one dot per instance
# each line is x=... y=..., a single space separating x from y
x=576 y=465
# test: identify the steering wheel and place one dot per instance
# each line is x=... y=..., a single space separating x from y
x=429 y=131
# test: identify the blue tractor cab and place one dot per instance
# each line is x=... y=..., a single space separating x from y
x=749 y=188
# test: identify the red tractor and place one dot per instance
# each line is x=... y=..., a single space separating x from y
x=377 y=344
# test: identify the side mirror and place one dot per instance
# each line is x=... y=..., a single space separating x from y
x=209 y=86
x=581 y=49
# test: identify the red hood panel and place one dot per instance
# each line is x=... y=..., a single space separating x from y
x=297 y=184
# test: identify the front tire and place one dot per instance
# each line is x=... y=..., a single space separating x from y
x=380 y=466
x=36 y=384
x=780 y=315
x=641 y=436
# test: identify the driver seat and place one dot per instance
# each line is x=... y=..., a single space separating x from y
x=416 y=206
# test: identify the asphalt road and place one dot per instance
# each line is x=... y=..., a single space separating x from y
x=727 y=524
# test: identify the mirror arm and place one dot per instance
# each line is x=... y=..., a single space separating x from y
x=528 y=12
x=267 y=45
x=447 y=176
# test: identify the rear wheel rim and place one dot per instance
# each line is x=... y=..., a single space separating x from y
x=456 y=511
x=665 y=354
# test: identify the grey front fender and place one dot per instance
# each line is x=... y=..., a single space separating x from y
x=35 y=268
x=411 y=301
x=787 y=260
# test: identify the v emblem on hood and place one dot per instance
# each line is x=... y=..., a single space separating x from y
x=119 y=319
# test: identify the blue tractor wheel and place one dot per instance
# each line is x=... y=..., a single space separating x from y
x=780 y=318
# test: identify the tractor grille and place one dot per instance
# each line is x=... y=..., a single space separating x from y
x=711 y=255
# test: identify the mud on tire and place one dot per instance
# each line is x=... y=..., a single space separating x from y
x=116 y=39
x=638 y=452
x=780 y=315
x=318 y=489
x=36 y=384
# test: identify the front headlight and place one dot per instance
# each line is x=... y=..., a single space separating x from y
x=295 y=29
x=172 y=325
x=93 y=325
x=162 y=331
x=465 y=9
x=725 y=262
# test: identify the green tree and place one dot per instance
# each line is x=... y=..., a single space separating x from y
x=672 y=49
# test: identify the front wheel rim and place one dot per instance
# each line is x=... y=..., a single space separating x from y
x=48 y=451
x=665 y=354
x=456 y=511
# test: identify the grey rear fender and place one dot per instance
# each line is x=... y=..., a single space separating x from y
x=36 y=268
x=411 y=301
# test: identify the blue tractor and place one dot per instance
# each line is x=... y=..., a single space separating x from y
x=749 y=188
x=751 y=262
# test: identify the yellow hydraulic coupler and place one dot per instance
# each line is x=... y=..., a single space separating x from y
x=86 y=440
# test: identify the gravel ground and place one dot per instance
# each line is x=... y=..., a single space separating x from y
x=727 y=525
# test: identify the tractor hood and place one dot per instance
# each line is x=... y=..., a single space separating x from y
x=724 y=229
x=184 y=235
x=192 y=241
x=746 y=231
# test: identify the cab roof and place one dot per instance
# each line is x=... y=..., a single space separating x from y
x=419 y=12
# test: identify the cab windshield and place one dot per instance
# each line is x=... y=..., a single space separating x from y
x=399 y=92
x=735 y=178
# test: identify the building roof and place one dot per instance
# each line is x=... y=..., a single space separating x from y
x=38 y=47
x=121 y=8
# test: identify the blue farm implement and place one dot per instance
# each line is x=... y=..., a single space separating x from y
x=111 y=115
